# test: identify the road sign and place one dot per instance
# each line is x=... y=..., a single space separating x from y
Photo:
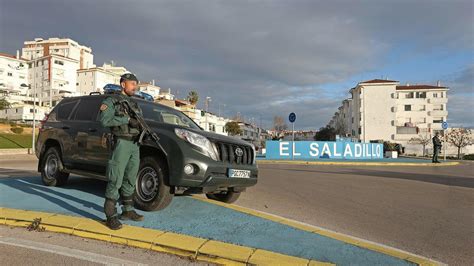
x=444 y=125
x=292 y=117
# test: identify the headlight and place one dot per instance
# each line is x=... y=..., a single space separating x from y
x=200 y=141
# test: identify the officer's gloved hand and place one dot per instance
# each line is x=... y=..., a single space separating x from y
x=133 y=123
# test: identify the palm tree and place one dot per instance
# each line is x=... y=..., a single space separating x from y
x=193 y=97
x=4 y=104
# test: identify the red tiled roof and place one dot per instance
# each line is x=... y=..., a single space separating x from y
x=419 y=87
x=379 y=81
x=11 y=56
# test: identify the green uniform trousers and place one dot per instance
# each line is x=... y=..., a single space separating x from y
x=122 y=170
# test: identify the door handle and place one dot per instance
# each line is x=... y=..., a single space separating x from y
x=92 y=129
x=65 y=127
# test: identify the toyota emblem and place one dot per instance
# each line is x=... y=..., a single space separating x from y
x=239 y=152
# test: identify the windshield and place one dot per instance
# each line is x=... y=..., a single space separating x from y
x=156 y=112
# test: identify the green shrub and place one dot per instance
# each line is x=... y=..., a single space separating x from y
x=17 y=130
x=468 y=157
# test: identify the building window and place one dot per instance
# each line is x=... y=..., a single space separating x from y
x=59 y=62
x=9 y=74
x=352 y=120
x=409 y=95
x=360 y=130
x=421 y=95
x=442 y=95
x=407 y=107
x=437 y=120
x=435 y=95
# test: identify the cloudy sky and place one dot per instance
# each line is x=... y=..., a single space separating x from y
x=266 y=58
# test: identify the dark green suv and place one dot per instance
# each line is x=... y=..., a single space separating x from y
x=72 y=140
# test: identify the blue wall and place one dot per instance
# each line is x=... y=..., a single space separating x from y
x=316 y=150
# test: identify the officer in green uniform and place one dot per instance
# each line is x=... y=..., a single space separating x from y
x=122 y=166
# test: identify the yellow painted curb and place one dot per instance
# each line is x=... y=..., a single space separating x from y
x=166 y=242
x=341 y=237
x=355 y=163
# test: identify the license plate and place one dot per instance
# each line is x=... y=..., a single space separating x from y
x=239 y=173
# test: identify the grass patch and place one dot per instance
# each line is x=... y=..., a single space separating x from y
x=15 y=141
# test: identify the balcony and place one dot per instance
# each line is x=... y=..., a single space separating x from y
x=437 y=100
x=407 y=130
x=440 y=113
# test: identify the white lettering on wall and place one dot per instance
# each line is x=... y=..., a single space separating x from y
x=348 y=150
x=284 y=147
x=335 y=150
x=357 y=150
x=294 y=150
x=314 y=149
x=326 y=150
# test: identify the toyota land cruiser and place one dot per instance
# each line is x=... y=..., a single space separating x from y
x=72 y=140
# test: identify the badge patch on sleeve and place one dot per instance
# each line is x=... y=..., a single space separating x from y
x=103 y=107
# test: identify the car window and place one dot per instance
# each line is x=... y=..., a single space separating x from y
x=65 y=109
x=158 y=113
x=88 y=109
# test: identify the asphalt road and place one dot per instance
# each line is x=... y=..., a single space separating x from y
x=21 y=247
x=424 y=210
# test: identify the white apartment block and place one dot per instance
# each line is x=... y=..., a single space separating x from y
x=13 y=78
x=384 y=110
x=150 y=88
x=52 y=77
x=94 y=79
x=64 y=47
x=23 y=113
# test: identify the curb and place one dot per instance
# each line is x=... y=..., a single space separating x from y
x=355 y=163
x=167 y=242
x=15 y=151
x=394 y=252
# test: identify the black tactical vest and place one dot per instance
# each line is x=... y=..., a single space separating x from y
x=124 y=130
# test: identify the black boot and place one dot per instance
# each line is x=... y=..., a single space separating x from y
x=127 y=203
x=111 y=214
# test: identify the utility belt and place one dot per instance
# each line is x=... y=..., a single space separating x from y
x=130 y=138
x=111 y=140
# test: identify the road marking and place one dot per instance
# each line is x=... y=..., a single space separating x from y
x=355 y=163
x=65 y=251
x=363 y=243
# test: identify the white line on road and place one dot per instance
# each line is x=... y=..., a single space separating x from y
x=65 y=251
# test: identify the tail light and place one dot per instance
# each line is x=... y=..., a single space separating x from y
x=42 y=122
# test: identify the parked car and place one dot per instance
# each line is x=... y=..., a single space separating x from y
x=72 y=140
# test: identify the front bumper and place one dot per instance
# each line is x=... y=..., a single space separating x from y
x=212 y=175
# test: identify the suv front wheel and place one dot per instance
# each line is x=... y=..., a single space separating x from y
x=151 y=192
x=51 y=174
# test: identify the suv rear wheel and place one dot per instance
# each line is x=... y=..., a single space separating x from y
x=151 y=192
x=226 y=196
x=51 y=174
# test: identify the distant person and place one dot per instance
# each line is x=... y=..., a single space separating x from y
x=436 y=147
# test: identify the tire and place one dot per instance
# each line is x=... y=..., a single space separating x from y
x=227 y=196
x=151 y=192
x=51 y=174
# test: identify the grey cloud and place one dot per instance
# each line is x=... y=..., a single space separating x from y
x=252 y=56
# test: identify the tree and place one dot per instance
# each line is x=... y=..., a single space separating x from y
x=279 y=124
x=460 y=138
x=4 y=104
x=193 y=97
x=422 y=140
x=233 y=128
x=325 y=134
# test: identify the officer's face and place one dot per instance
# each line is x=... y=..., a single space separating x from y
x=129 y=87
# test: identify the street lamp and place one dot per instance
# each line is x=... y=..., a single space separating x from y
x=208 y=99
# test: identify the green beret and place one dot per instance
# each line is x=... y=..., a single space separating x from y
x=128 y=76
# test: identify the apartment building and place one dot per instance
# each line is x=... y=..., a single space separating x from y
x=385 y=110
x=52 y=78
x=65 y=47
x=53 y=65
x=150 y=88
x=94 y=79
x=13 y=77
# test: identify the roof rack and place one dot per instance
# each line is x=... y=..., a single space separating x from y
x=116 y=89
